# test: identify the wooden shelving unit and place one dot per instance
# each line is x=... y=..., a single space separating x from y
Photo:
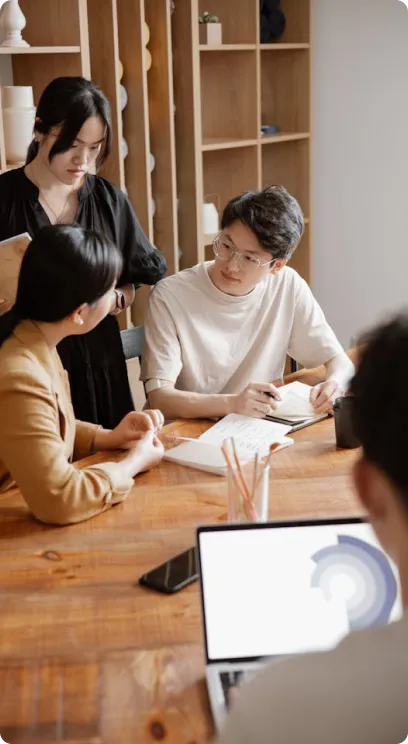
x=57 y=31
x=223 y=95
x=117 y=34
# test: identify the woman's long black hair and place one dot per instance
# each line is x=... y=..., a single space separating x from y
x=63 y=268
x=67 y=103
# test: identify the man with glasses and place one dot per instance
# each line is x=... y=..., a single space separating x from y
x=217 y=335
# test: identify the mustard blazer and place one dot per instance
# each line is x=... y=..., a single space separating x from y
x=40 y=438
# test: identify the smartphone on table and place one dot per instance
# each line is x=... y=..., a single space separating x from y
x=174 y=574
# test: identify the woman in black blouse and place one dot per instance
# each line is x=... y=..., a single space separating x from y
x=72 y=140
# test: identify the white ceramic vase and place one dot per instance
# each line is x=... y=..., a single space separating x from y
x=17 y=96
x=12 y=21
x=18 y=124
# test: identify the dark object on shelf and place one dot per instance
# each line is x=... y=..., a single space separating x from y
x=270 y=129
x=273 y=21
x=345 y=436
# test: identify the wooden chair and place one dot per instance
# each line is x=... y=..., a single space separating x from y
x=132 y=342
x=314 y=376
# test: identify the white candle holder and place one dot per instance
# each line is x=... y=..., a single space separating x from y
x=12 y=21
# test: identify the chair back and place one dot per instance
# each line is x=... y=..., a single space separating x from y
x=132 y=342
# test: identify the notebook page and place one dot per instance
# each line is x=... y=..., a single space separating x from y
x=251 y=435
x=295 y=402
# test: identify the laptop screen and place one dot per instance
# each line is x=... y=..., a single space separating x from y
x=289 y=588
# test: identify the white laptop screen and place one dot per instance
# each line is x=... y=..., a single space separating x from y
x=276 y=590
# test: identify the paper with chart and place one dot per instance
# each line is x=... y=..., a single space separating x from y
x=11 y=255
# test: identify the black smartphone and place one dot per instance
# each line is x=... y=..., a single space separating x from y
x=173 y=575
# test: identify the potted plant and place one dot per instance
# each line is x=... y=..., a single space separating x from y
x=210 y=29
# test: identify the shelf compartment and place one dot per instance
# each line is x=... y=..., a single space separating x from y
x=297 y=14
x=285 y=90
x=46 y=68
x=221 y=143
x=288 y=164
x=240 y=24
x=62 y=16
x=230 y=172
x=229 y=96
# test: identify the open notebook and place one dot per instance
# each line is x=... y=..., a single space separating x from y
x=11 y=254
x=295 y=409
x=251 y=436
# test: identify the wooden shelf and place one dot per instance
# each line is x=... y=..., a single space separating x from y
x=282 y=47
x=41 y=50
x=223 y=95
x=275 y=139
x=222 y=143
x=59 y=46
x=228 y=48
x=289 y=164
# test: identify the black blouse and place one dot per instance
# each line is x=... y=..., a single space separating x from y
x=95 y=362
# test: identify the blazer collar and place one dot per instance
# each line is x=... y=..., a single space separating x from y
x=29 y=334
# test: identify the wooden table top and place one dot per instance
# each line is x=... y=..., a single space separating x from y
x=89 y=657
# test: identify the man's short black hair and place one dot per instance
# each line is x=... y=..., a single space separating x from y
x=380 y=406
x=273 y=215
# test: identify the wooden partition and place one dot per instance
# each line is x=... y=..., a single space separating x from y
x=118 y=36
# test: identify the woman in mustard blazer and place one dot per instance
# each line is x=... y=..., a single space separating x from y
x=65 y=288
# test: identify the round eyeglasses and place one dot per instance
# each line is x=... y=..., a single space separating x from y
x=225 y=252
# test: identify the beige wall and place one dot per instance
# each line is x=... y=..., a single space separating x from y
x=360 y=183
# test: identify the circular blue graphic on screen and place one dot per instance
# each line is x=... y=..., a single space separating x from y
x=363 y=575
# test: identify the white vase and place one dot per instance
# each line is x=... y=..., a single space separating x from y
x=210 y=219
x=18 y=124
x=17 y=96
x=12 y=22
x=125 y=149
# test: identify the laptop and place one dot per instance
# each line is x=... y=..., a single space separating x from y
x=276 y=589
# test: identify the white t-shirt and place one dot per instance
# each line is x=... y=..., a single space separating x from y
x=206 y=341
x=356 y=694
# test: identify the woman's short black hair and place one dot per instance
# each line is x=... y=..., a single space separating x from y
x=63 y=268
x=68 y=102
x=273 y=215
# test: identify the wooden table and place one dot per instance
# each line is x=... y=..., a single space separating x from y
x=89 y=657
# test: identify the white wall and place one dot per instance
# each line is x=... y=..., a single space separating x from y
x=360 y=160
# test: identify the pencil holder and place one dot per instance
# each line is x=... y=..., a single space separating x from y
x=249 y=502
